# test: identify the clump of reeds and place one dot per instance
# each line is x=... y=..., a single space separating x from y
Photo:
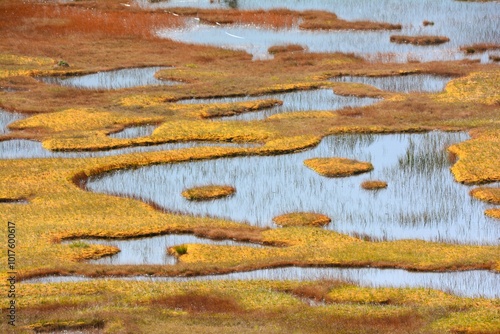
x=209 y=192
x=373 y=185
x=419 y=40
x=427 y=23
x=338 y=167
x=302 y=219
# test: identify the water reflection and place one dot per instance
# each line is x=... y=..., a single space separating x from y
x=152 y=250
x=467 y=283
x=422 y=200
x=6 y=118
x=134 y=132
x=404 y=84
x=26 y=149
x=125 y=78
x=317 y=100
x=453 y=19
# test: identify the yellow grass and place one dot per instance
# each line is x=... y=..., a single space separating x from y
x=302 y=219
x=208 y=192
x=338 y=167
x=373 y=185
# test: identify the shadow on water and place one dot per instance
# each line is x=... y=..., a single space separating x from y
x=109 y=80
x=152 y=250
x=422 y=200
x=317 y=100
x=466 y=283
x=451 y=18
x=26 y=149
x=421 y=83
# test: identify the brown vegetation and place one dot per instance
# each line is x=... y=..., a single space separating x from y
x=302 y=219
x=480 y=47
x=373 y=185
x=285 y=48
x=419 y=40
x=204 y=193
x=195 y=303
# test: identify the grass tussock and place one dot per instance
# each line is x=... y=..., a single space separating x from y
x=209 y=192
x=63 y=326
x=480 y=48
x=302 y=219
x=487 y=194
x=338 y=167
x=493 y=213
x=419 y=40
x=373 y=185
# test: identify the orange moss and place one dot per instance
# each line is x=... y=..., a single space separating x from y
x=489 y=195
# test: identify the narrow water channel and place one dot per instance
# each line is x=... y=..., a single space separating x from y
x=479 y=283
x=110 y=80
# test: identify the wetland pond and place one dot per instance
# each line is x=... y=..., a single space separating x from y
x=452 y=19
x=478 y=283
x=110 y=80
x=422 y=200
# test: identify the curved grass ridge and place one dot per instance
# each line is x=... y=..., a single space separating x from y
x=209 y=192
x=337 y=167
x=302 y=219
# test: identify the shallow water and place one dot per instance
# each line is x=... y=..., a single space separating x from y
x=152 y=250
x=421 y=83
x=453 y=19
x=26 y=149
x=109 y=80
x=422 y=200
x=6 y=118
x=310 y=100
x=134 y=132
x=467 y=283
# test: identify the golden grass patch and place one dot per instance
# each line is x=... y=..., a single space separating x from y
x=478 y=158
x=487 y=194
x=373 y=185
x=493 y=213
x=477 y=87
x=338 y=167
x=209 y=192
x=302 y=219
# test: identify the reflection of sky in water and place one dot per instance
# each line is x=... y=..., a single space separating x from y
x=134 y=132
x=26 y=149
x=468 y=283
x=403 y=84
x=152 y=250
x=6 y=118
x=422 y=200
x=463 y=22
x=317 y=100
x=125 y=78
